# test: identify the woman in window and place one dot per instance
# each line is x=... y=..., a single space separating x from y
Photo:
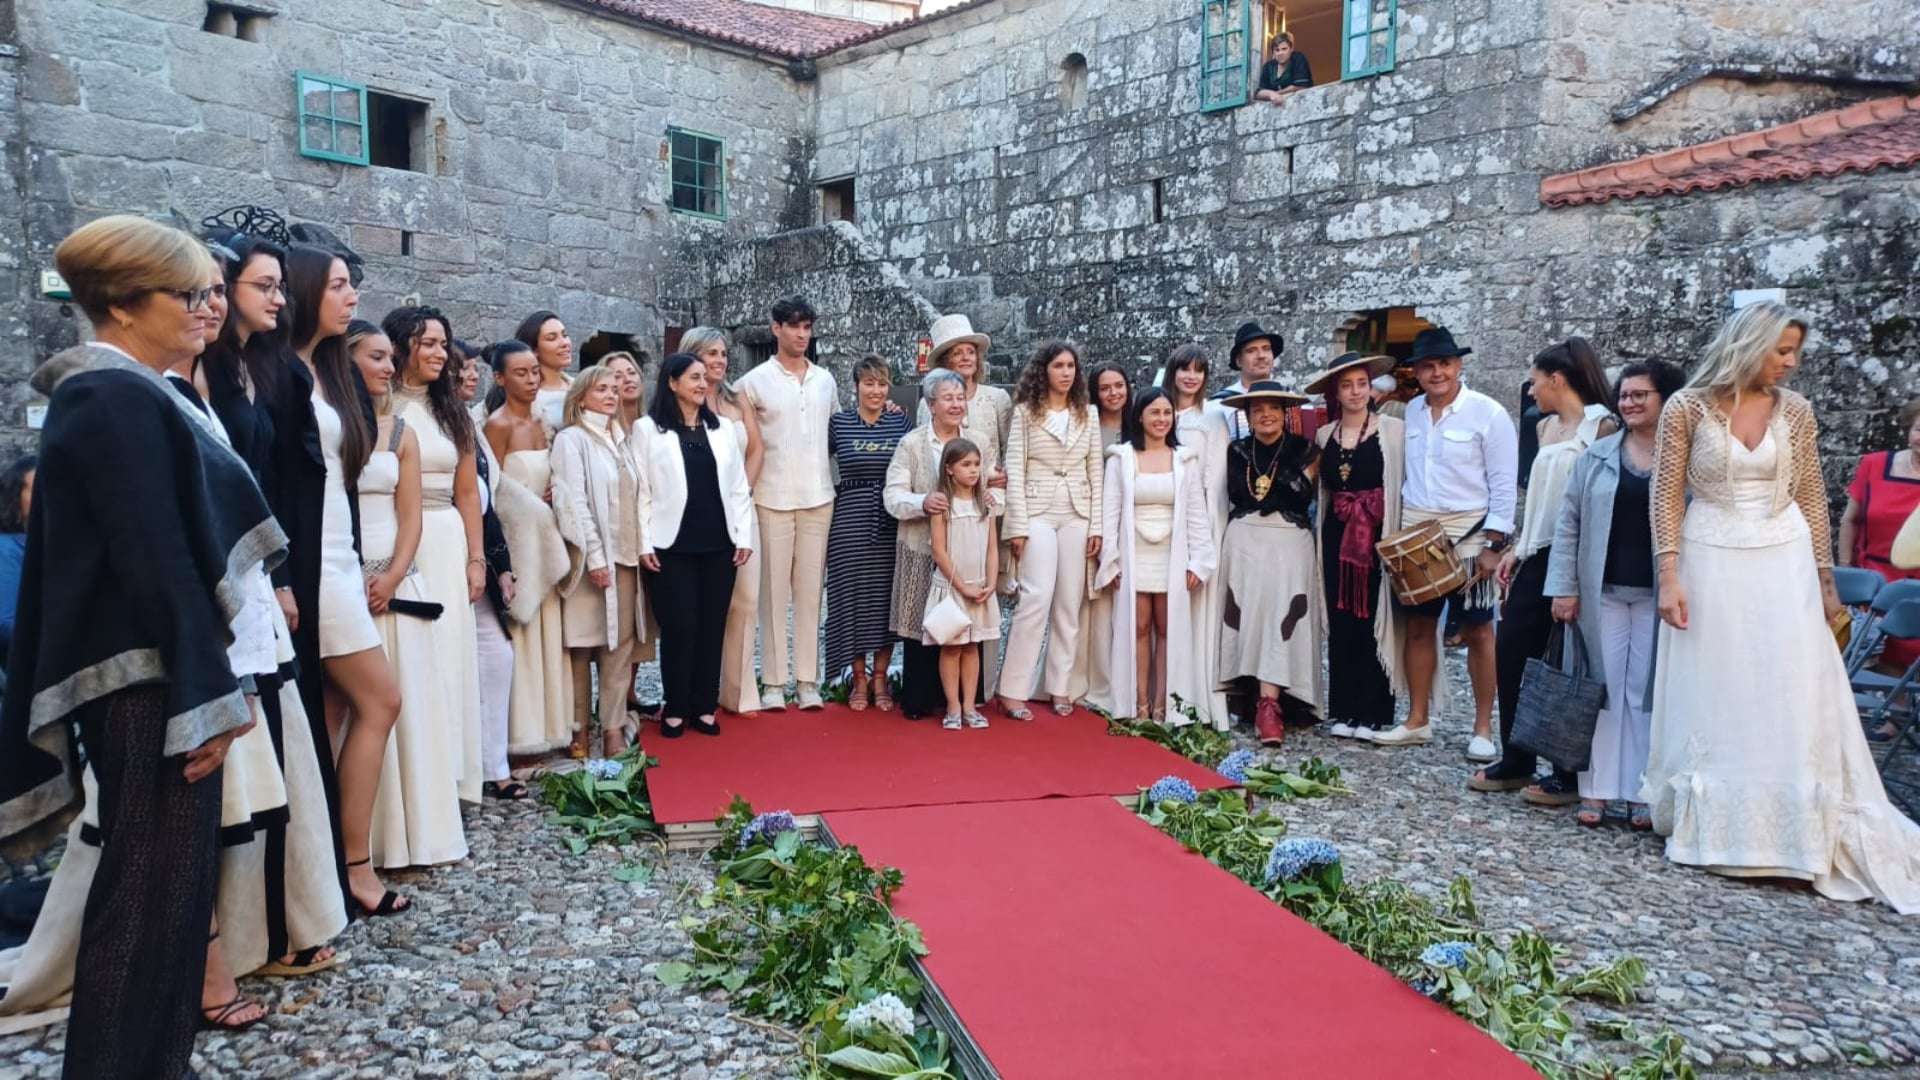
x=1285 y=73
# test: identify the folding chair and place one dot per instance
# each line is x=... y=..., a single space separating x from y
x=1867 y=637
x=1889 y=699
x=1857 y=588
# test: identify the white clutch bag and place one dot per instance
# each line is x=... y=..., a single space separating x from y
x=946 y=622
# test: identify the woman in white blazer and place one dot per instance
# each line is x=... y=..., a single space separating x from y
x=1053 y=507
x=596 y=499
x=1156 y=554
x=696 y=517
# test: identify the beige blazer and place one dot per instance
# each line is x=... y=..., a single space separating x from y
x=915 y=471
x=1038 y=464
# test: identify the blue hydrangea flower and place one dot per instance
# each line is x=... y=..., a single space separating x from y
x=1172 y=787
x=1235 y=765
x=603 y=768
x=1293 y=856
x=764 y=827
x=1446 y=954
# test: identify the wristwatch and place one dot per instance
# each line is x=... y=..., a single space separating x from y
x=1499 y=546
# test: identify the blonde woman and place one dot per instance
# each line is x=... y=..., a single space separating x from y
x=739 y=690
x=1759 y=767
x=596 y=497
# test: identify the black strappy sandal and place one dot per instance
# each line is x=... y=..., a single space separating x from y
x=214 y=1017
x=391 y=903
x=506 y=790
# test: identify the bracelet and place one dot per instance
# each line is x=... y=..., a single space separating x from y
x=476 y=560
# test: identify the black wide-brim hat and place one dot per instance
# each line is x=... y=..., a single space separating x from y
x=1249 y=333
x=1436 y=343
x=1266 y=390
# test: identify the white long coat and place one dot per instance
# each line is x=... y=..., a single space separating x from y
x=586 y=496
x=1192 y=549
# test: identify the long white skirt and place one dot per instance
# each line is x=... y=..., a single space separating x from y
x=416 y=812
x=1759 y=766
x=455 y=671
x=1270 y=618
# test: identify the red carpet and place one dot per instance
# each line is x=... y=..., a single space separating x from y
x=838 y=759
x=1074 y=940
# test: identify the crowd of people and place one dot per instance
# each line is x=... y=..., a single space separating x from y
x=290 y=592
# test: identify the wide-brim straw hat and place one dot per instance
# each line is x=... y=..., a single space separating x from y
x=1266 y=390
x=1323 y=381
x=950 y=330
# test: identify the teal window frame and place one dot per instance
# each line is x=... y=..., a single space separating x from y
x=331 y=118
x=1358 y=28
x=1225 y=26
x=718 y=163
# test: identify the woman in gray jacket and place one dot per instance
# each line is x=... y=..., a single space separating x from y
x=1601 y=575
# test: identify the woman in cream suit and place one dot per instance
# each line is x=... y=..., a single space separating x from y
x=1053 y=500
x=696 y=517
x=596 y=484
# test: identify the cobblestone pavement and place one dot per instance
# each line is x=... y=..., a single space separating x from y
x=524 y=960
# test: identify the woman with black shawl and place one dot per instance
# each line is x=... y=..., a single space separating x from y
x=144 y=526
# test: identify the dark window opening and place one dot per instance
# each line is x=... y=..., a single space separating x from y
x=1073 y=81
x=699 y=173
x=1159 y=199
x=836 y=200
x=1384 y=331
x=406 y=242
x=612 y=341
x=396 y=132
x=1289 y=161
x=235 y=21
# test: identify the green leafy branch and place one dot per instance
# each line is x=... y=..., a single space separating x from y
x=611 y=809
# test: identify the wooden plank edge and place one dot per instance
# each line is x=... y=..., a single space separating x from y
x=968 y=1057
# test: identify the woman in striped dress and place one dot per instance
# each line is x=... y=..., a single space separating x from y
x=860 y=542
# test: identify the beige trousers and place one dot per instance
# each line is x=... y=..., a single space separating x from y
x=616 y=663
x=1053 y=590
x=793 y=570
x=738 y=690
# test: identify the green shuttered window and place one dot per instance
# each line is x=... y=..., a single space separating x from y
x=333 y=118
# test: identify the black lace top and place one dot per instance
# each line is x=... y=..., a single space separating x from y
x=1278 y=473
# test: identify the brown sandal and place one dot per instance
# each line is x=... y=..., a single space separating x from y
x=858 y=695
x=580 y=748
x=883 y=694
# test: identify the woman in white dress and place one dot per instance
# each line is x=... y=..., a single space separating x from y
x=360 y=682
x=416 y=814
x=1156 y=554
x=1200 y=425
x=739 y=691
x=546 y=335
x=1759 y=766
x=1112 y=393
x=451 y=563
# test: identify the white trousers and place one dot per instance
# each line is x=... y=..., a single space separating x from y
x=1053 y=591
x=496 y=689
x=1622 y=735
x=793 y=570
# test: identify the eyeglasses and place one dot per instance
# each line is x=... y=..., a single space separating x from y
x=195 y=299
x=1635 y=396
x=267 y=288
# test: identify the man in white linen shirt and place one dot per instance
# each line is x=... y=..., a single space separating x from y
x=1462 y=470
x=794 y=400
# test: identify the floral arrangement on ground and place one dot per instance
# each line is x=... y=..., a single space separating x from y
x=1510 y=984
x=604 y=800
x=800 y=933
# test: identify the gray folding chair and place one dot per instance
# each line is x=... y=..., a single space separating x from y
x=1857 y=588
x=1868 y=637
x=1890 y=700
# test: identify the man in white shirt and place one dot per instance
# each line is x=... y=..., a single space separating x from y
x=794 y=400
x=1462 y=463
x=1253 y=355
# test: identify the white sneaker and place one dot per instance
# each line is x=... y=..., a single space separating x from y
x=1402 y=735
x=1340 y=731
x=773 y=699
x=808 y=695
x=951 y=722
x=1481 y=750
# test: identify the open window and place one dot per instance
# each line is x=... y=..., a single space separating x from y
x=1315 y=28
x=699 y=173
x=1382 y=331
x=836 y=200
x=397 y=132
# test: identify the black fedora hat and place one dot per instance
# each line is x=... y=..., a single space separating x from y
x=1248 y=333
x=1436 y=343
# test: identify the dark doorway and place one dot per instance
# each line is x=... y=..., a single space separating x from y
x=606 y=341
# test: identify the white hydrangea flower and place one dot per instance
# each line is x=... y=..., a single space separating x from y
x=885 y=1011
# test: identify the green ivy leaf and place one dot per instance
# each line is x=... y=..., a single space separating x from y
x=673 y=972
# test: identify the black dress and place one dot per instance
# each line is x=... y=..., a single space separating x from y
x=1358 y=690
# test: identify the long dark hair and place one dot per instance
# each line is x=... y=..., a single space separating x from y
x=1182 y=358
x=1134 y=433
x=528 y=332
x=665 y=410
x=1032 y=389
x=496 y=357
x=1093 y=383
x=339 y=380
x=1575 y=361
x=403 y=326
x=263 y=353
x=12 y=482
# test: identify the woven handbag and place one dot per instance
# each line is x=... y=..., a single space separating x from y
x=1560 y=701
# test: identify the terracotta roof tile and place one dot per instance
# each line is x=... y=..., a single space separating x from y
x=778 y=31
x=1881 y=133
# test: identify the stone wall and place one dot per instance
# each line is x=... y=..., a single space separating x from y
x=546 y=184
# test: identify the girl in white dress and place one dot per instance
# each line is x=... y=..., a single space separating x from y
x=966 y=563
x=1759 y=766
x=451 y=563
x=360 y=684
x=416 y=814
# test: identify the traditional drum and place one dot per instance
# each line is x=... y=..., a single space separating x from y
x=1422 y=563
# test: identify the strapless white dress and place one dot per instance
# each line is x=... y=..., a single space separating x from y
x=346 y=627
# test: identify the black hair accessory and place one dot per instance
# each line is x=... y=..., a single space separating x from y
x=251 y=220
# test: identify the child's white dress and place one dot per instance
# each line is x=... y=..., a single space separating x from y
x=967 y=550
